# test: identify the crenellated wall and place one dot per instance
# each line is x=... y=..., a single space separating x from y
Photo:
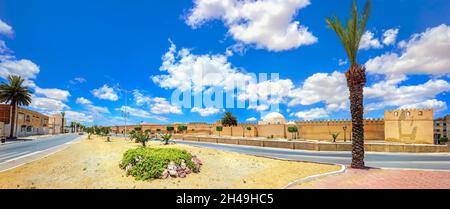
x=412 y=126
x=404 y=126
x=322 y=130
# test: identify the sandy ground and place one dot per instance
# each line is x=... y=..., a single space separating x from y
x=95 y=164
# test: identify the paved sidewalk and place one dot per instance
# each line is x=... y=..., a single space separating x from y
x=382 y=179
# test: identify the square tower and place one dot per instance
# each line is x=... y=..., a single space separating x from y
x=411 y=126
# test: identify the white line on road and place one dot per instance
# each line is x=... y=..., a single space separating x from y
x=13 y=155
x=8 y=153
x=23 y=156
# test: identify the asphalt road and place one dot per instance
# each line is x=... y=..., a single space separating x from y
x=438 y=161
x=18 y=150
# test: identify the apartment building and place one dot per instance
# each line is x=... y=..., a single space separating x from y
x=28 y=122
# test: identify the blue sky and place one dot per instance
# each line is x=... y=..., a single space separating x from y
x=76 y=54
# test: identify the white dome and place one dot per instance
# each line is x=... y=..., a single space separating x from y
x=291 y=123
x=273 y=115
x=273 y=118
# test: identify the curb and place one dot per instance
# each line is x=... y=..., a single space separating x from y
x=315 y=177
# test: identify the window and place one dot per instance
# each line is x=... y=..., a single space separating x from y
x=27 y=118
x=396 y=113
x=29 y=128
x=408 y=113
x=420 y=113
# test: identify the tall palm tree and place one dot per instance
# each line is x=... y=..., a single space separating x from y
x=16 y=94
x=350 y=37
x=229 y=119
x=63 y=114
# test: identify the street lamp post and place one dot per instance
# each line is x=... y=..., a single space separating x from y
x=345 y=133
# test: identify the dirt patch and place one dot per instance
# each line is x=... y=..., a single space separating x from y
x=95 y=164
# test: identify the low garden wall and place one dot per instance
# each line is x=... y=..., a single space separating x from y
x=320 y=146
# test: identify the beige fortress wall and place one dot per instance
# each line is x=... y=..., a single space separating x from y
x=238 y=131
x=200 y=128
x=272 y=131
x=411 y=126
x=322 y=130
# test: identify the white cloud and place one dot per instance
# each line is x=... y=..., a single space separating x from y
x=58 y=94
x=312 y=114
x=140 y=99
x=77 y=80
x=3 y=48
x=106 y=93
x=162 y=106
x=187 y=71
x=5 y=29
x=259 y=108
x=322 y=87
x=206 y=111
x=97 y=110
x=140 y=113
x=267 y=24
x=390 y=36
x=424 y=53
x=90 y=107
x=434 y=104
x=342 y=62
x=83 y=101
x=368 y=41
x=47 y=104
x=24 y=68
x=136 y=112
x=252 y=119
x=390 y=93
x=271 y=92
x=157 y=105
x=78 y=117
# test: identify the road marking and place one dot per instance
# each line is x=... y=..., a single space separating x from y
x=57 y=148
x=9 y=153
x=14 y=155
x=23 y=156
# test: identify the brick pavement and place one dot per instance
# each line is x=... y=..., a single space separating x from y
x=382 y=179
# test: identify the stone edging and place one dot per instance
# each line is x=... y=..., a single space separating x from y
x=317 y=146
x=315 y=177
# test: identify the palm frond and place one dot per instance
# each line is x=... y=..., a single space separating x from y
x=351 y=35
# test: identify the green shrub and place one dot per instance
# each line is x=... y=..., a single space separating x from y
x=149 y=163
x=170 y=129
x=443 y=140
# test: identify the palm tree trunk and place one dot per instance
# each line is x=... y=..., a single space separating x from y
x=356 y=79
x=13 y=119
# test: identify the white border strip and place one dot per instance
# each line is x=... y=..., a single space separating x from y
x=315 y=177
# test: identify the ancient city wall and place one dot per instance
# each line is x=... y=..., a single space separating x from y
x=322 y=130
x=409 y=126
x=403 y=126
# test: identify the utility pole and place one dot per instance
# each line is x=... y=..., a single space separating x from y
x=125 y=113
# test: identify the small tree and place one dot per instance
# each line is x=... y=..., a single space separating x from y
x=97 y=130
x=170 y=129
x=443 y=140
x=219 y=129
x=248 y=128
x=293 y=130
x=90 y=131
x=229 y=119
x=141 y=137
x=182 y=128
x=105 y=132
x=166 y=138
x=335 y=136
